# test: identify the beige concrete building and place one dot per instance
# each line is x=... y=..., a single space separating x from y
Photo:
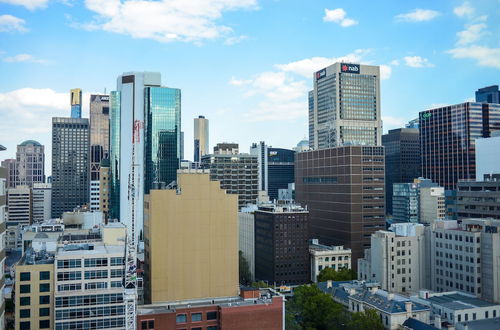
x=104 y=180
x=432 y=206
x=200 y=137
x=191 y=240
x=34 y=291
x=324 y=256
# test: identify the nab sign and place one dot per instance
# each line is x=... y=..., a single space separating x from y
x=320 y=74
x=349 y=68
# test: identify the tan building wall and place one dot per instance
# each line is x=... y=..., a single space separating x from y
x=191 y=240
x=35 y=303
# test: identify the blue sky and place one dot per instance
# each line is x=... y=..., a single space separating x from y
x=245 y=64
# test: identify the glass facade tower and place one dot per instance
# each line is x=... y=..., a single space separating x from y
x=162 y=129
x=114 y=156
x=76 y=103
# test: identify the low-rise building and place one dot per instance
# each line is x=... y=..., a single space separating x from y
x=252 y=309
x=452 y=307
x=396 y=259
x=323 y=256
x=478 y=199
x=41 y=201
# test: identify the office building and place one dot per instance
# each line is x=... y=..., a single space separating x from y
x=246 y=226
x=487 y=155
x=276 y=168
x=402 y=159
x=42 y=202
x=3 y=197
x=30 y=159
x=70 y=164
x=279 y=260
x=143 y=110
x=420 y=201
x=104 y=188
x=237 y=173
x=34 y=291
x=344 y=107
x=303 y=145
x=197 y=224
x=76 y=103
x=201 y=142
x=323 y=256
x=88 y=281
x=396 y=259
x=11 y=172
x=182 y=145
x=489 y=94
x=343 y=189
x=453 y=307
x=20 y=206
x=252 y=309
x=478 y=199
x=99 y=143
x=447 y=140
x=394 y=310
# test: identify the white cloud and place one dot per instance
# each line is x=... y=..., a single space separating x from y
x=308 y=66
x=24 y=58
x=395 y=62
x=239 y=82
x=391 y=122
x=464 y=9
x=235 y=40
x=167 y=20
x=417 y=15
x=29 y=4
x=485 y=56
x=338 y=16
x=385 y=72
x=417 y=62
x=471 y=34
x=9 y=23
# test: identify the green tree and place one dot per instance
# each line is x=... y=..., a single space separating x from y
x=369 y=319
x=245 y=276
x=260 y=284
x=330 y=274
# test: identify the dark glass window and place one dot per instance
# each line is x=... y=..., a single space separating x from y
x=195 y=317
x=211 y=315
x=44 y=276
x=181 y=318
x=25 y=288
x=25 y=276
x=44 y=287
x=24 y=313
x=44 y=324
x=44 y=311
x=25 y=301
x=24 y=326
x=44 y=300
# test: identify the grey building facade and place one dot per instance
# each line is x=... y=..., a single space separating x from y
x=70 y=164
x=402 y=159
x=478 y=199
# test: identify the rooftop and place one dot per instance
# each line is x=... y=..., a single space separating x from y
x=33 y=142
x=98 y=248
x=486 y=324
x=32 y=257
x=458 y=301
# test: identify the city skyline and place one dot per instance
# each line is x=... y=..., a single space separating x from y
x=254 y=76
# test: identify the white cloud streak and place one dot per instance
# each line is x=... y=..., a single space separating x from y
x=24 y=58
x=9 y=23
x=417 y=15
x=417 y=62
x=167 y=20
x=28 y=4
x=338 y=16
x=464 y=9
x=471 y=34
x=485 y=56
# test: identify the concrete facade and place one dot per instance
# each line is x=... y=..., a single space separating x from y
x=478 y=199
x=191 y=240
x=42 y=200
x=201 y=138
x=323 y=256
x=247 y=238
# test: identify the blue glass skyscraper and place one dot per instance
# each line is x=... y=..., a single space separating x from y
x=76 y=103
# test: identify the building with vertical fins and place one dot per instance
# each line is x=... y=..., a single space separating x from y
x=344 y=107
x=200 y=138
x=99 y=143
x=76 y=103
x=155 y=111
x=30 y=158
x=70 y=164
x=448 y=140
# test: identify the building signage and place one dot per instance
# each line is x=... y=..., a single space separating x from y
x=349 y=68
x=426 y=115
x=320 y=74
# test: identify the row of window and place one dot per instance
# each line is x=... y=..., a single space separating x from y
x=95 y=299
x=26 y=288
x=42 y=324
x=195 y=317
x=92 y=262
x=92 y=324
x=81 y=313
x=26 y=276
x=26 y=301
x=26 y=313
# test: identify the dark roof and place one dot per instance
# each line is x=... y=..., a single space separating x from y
x=2 y=148
x=387 y=305
x=415 y=324
x=457 y=301
x=33 y=142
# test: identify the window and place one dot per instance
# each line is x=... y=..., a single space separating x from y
x=44 y=311
x=96 y=262
x=116 y=273
x=25 y=301
x=212 y=327
x=25 y=313
x=25 y=288
x=147 y=324
x=93 y=274
x=44 y=287
x=69 y=287
x=180 y=318
x=44 y=324
x=117 y=261
x=69 y=276
x=25 y=276
x=69 y=263
x=196 y=317
x=211 y=315
x=44 y=300
x=96 y=285
x=116 y=284
x=24 y=326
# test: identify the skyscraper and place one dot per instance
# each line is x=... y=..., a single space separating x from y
x=99 y=143
x=70 y=164
x=447 y=140
x=141 y=109
x=200 y=137
x=3 y=193
x=76 y=103
x=344 y=107
x=10 y=166
x=30 y=158
x=489 y=94
x=402 y=159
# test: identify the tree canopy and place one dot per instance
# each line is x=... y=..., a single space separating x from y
x=330 y=274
